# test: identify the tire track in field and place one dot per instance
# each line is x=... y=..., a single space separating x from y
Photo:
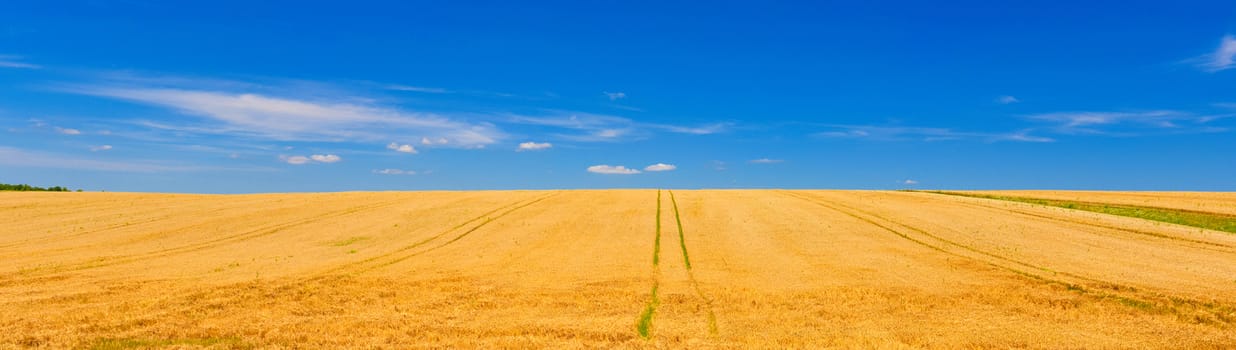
x=1213 y=246
x=484 y=219
x=686 y=260
x=117 y=260
x=643 y=324
x=148 y=220
x=1126 y=295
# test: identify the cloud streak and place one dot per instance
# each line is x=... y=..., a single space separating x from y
x=534 y=146
x=394 y=172
x=1223 y=58
x=612 y=170
x=607 y=128
x=292 y=119
x=906 y=133
x=1126 y=123
x=660 y=167
x=35 y=159
x=316 y=158
x=10 y=61
x=394 y=146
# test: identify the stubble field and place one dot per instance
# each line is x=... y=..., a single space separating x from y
x=612 y=268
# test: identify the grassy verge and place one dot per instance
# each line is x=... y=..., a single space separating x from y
x=643 y=325
x=1217 y=222
x=682 y=241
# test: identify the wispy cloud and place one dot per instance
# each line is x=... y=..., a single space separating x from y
x=905 y=133
x=1223 y=58
x=10 y=61
x=1006 y=99
x=394 y=146
x=316 y=158
x=909 y=182
x=1126 y=123
x=282 y=118
x=394 y=172
x=434 y=142
x=325 y=158
x=660 y=167
x=68 y=131
x=614 y=96
x=694 y=130
x=101 y=148
x=608 y=128
x=765 y=161
x=612 y=170
x=533 y=146
x=429 y=90
x=626 y=108
x=15 y=157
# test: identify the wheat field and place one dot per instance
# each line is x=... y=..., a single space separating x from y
x=609 y=269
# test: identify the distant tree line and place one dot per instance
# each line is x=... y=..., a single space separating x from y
x=25 y=187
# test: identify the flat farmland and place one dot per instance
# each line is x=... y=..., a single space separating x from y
x=610 y=269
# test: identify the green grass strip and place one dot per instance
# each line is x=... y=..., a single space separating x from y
x=656 y=246
x=1210 y=221
x=645 y=319
x=643 y=325
x=681 y=239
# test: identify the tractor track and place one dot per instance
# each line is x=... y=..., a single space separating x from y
x=1100 y=289
x=686 y=260
x=644 y=324
x=248 y=235
x=484 y=219
x=1208 y=245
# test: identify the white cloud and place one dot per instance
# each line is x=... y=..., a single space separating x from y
x=100 y=148
x=613 y=170
x=1006 y=99
x=909 y=182
x=256 y=115
x=533 y=146
x=394 y=172
x=8 y=61
x=430 y=90
x=401 y=148
x=295 y=160
x=660 y=167
x=614 y=96
x=68 y=131
x=428 y=142
x=765 y=161
x=1223 y=58
x=318 y=158
x=325 y=158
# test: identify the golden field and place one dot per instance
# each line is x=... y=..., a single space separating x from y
x=609 y=269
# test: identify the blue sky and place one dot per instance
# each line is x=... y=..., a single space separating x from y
x=225 y=97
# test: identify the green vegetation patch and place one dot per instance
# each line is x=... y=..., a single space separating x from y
x=1210 y=221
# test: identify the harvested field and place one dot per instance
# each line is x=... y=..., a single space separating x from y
x=611 y=268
